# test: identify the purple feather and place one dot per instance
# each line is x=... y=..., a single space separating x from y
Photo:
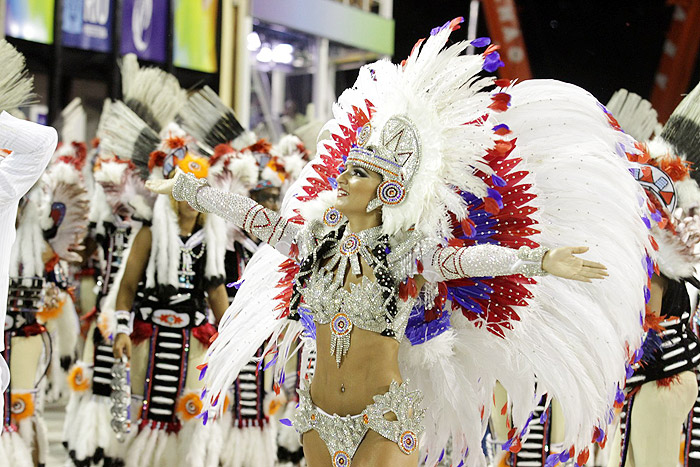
x=480 y=42
x=271 y=362
x=286 y=422
x=498 y=181
x=552 y=460
x=492 y=62
x=496 y=196
x=307 y=321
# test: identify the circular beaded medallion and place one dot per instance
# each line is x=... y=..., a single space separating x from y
x=332 y=217
x=363 y=134
x=350 y=245
x=341 y=325
x=390 y=192
x=408 y=442
x=341 y=459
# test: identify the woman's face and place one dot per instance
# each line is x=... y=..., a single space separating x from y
x=357 y=186
x=185 y=211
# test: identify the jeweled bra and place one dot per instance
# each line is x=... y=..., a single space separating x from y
x=364 y=304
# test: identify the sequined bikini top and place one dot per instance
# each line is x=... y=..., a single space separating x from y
x=364 y=304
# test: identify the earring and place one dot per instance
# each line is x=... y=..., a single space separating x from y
x=332 y=217
x=391 y=192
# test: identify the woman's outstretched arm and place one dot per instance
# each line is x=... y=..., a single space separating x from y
x=492 y=260
x=267 y=225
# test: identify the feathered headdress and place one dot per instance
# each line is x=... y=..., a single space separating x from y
x=682 y=130
x=16 y=86
x=209 y=120
x=673 y=195
x=153 y=94
x=411 y=122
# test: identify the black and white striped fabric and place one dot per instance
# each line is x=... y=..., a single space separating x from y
x=24 y=300
x=692 y=434
x=102 y=366
x=169 y=349
x=248 y=396
x=536 y=447
x=679 y=350
x=113 y=243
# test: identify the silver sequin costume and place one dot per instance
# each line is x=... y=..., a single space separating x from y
x=343 y=435
x=362 y=305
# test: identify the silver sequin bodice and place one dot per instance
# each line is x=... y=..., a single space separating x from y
x=362 y=303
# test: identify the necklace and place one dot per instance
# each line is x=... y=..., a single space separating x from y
x=349 y=249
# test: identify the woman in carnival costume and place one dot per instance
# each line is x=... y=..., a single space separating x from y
x=118 y=209
x=180 y=259
x=249 y=167
x=62 y=322
x=663 y=387
x=682 y=133
x=51 y=226
x=120 y=206
x=26 y=150
x=421 y=277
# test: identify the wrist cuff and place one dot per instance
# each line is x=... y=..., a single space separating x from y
x=530 y=261
x=125 y=322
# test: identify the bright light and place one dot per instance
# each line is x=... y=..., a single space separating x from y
x=253 y=41
x=283 y=49
x=282 y=53
x=265 y=55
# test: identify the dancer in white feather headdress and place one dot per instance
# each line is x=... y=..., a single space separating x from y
x=26 y=149
x=663 y=387
x=418 y=277
x=180 y=259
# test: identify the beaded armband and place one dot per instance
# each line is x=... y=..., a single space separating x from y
x=486 y=260
x=125 y=322
x=530 y=261
x=186 y=188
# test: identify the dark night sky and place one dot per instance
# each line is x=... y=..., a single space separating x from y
x=598 y=45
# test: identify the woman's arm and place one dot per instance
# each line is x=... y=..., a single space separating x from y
x=658 y=288
x=493 y=260
x=133 y=272
x=245 y=213
x=218 y=301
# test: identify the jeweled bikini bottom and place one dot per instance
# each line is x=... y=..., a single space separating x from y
x=343 y=435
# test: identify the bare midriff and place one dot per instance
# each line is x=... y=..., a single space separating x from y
x=367 y=370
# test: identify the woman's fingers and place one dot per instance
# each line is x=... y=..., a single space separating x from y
x=593 y=265
x=163 y=187
x=577 y=250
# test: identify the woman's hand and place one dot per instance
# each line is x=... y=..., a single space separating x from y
x=561 y=262
x=122 y=346
x=163 y=187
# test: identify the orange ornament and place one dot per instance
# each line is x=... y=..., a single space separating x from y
x=189 y=406
x=21 y=407
x=77 y=380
